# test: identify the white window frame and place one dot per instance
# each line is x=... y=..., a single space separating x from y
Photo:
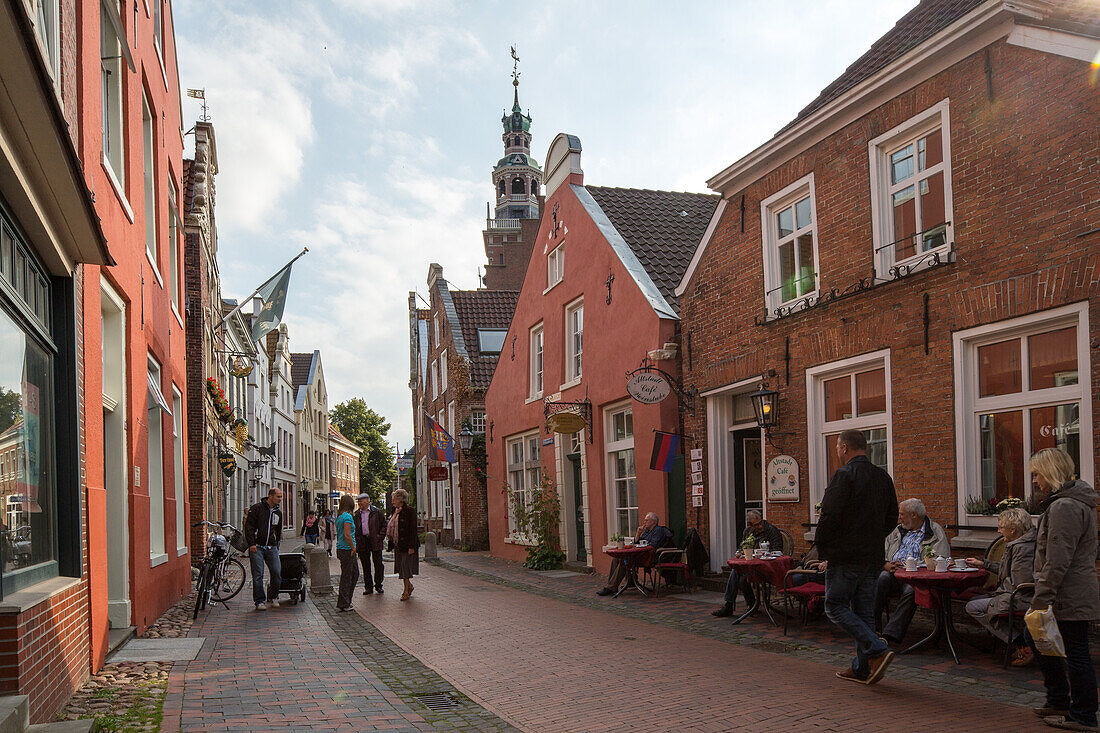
x=149 y=162
x=435 y=379
x=521 y=473
x=555 y=267
x=435 y=331
x=816 y=427
x=155 y=473
x=113 y=114
x=968 y=404
x=443 y=371
x=477 y=421
x=179 y=480
x=537 y=360
x=45 y=14
x=611 y=447
x=173 y=245
x=879 y=151
x=769 y=209
x=574 y=344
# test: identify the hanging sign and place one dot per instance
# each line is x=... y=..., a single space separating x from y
x=783 y=479
x=437 y=473
x=649 y=388
x=228 y=463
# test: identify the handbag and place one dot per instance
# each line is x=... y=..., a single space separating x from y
x=1043 y=628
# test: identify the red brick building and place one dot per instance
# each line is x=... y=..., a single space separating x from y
x=917 y=256
x=343 y=463
x=597 y=300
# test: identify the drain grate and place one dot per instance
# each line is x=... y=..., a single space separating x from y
x=438 y=701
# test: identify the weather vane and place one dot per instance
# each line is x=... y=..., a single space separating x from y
x=515 y=68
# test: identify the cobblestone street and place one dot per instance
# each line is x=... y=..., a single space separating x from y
x=474 y=634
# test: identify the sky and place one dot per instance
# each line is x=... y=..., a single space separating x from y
x=367 y=131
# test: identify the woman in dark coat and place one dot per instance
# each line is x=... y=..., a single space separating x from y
x=404 y=541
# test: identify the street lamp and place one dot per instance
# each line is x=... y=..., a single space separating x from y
x=466 y=439
x=765 y=404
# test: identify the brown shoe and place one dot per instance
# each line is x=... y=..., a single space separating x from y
x=1045 y=712
x=878 y=667
x=1023 y=657
x=851 y=677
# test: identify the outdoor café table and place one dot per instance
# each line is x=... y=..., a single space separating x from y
x=761 y=574
x=933 y=590
x=633 y=558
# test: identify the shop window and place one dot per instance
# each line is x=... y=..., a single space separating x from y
x=524 y=472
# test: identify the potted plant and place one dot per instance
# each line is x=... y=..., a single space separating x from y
x=746 y=546
x=618 y=540
x=929 y=558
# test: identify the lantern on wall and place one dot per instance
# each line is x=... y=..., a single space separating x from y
x=765 y=405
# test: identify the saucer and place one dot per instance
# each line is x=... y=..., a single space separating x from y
x=963 y=570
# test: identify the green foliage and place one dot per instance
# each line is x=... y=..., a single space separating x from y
x=10 y=408
x=367 y=429
x=748 y=542
x=539 y=521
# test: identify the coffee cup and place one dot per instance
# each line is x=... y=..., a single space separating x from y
x=961 y=563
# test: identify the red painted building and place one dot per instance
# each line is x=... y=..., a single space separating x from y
x=596 y=301
x=135 y=384
x=917 y=256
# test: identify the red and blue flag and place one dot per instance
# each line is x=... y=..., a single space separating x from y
x=665 y=448
x=442 y=444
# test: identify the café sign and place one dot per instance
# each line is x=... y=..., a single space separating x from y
x=437 y=473
x=649 y=388
x=783 y=479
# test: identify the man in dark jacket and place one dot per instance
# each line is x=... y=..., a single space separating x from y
x=263 y=528
x=762 y=531
x=857 y=512
x=370 y=532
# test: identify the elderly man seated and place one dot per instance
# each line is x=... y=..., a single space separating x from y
x=762 y=531
x=915 y=534
x=1014 y=569
x=649 y=531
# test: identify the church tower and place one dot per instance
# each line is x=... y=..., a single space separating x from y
x=511 y=228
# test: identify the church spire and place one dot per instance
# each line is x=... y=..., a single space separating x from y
x=516 y=177
x=515 y=80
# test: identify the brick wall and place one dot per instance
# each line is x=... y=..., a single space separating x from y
x=516 y=253
x=1024 y=169
x=197 y=296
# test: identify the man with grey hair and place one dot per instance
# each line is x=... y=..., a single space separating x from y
x=651 y=531
x=761 y=531
x=915 y=536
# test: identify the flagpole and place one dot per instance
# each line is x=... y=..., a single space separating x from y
x=241 y=304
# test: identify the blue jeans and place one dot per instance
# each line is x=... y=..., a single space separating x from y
x=850 y=604
x=311 y=539
x=270 y=555
x=1071 y=682
x=735 y=583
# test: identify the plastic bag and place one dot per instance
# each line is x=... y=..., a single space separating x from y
x=1044 y=631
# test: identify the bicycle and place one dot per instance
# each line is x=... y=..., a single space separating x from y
x=221 y=572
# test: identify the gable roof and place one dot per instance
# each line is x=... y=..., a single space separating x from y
x=662 y=229
x=300 y=369
x=914 y=28
x=482 y=309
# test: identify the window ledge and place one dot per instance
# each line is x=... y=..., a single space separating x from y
x=571 y=383
x=181 y=551
x=27 y=598
x=973 y=540
x=520 y=541
x=533 y=398
x=178 y=316
x=156 y=270
x=155 y=560
x=110 y=171
x=551 y=287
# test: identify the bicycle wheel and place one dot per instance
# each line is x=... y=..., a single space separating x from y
x=229 y=580
x=201 y=590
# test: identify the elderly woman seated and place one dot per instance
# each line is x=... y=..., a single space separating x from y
x=1014 y=568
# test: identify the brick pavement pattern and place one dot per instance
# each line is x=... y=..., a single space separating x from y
x=556 y=665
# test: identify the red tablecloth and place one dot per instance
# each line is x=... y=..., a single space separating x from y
x=771 y=571
x=638 y=556
x=925 y=581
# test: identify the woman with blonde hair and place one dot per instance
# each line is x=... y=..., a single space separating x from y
x=1065 y=581
x=404 y=541
x=1014 y=568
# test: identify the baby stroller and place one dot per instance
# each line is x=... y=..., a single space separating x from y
x=293 y=575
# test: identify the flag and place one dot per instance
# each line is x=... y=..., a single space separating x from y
x=665 y=447
x=273 y=293
x=442 y=444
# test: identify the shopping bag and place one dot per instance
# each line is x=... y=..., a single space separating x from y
x=1044 y=631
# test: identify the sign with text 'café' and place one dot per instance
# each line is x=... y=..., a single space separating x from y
x=437 y=473
x=783 y=479
x=649 y=388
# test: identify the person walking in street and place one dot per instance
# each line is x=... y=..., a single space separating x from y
x=330 y=531
x=311 y=528
x=404 y=541
x=1065 y=581
x=857 y=512
x=370 y=532
x=345 y=551
x=263 y=528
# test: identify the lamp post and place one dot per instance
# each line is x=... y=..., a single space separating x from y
x=765 y=405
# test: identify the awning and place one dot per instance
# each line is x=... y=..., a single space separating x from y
x=111 y=8
x=156 y=397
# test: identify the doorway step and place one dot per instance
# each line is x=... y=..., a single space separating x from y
x=118 y=637
x=15 y=717
x=579 y=567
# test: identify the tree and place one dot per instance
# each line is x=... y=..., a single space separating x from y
x=367 y=429
x=11 y=408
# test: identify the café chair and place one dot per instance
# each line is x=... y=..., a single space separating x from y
x=1014 y=615
x=805 y=594
x=671 y=562
x=788 y=543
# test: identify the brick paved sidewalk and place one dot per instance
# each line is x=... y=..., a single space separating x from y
x=979 y=673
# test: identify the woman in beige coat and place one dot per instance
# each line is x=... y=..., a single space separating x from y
x=1065 y=581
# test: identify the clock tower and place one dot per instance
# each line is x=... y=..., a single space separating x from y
x=512 y=224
